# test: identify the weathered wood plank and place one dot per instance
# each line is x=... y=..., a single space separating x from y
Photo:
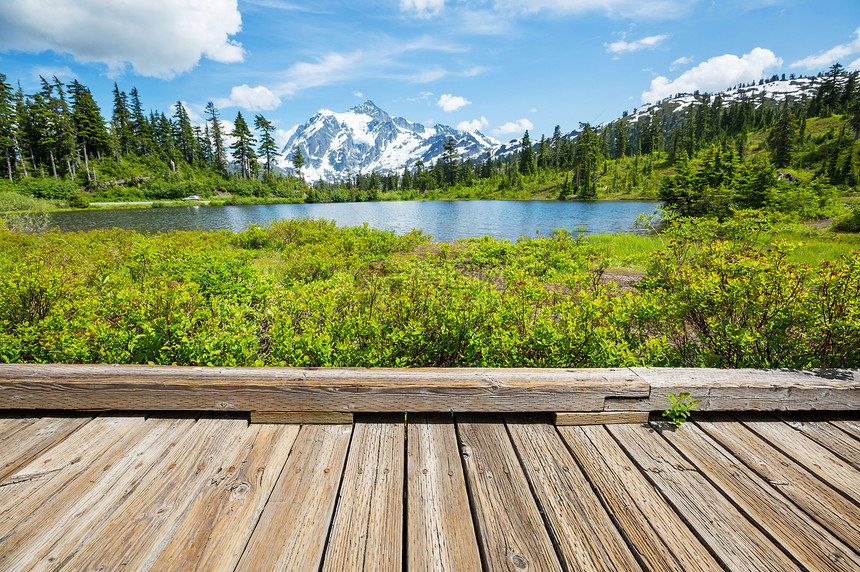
x=12 y=421
x=657 y=534
x=732 y=538
x=134 y=534
x=600 y=417
x=20 y=448
x=838 y=473
x=850 y=426
x=585 y=535
x=302 y=417
x=440 y=532
x=826 y=435
x=833 y=511
x=23 y=492
x=747 y=389
x=216 y=526
x=510 y=529
x=815 y=548
x=61 y=526
x=325 y=389
x=292 y=530
x=367 y=533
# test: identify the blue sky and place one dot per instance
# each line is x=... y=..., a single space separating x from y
x=500 y=66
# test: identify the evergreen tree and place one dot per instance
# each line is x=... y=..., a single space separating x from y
x=406 y=180
x=783 y=138
x=217 y=134
x=621 y=140
x=243 y=145
x=586 y=158
x=121 y=120
x=268 y=148
x=89 y=125
x=140 y=127
x=527 y=156
x=7 y=122
x=556 y=146
x=298 y=161
x=183 y=134
x=450 y=163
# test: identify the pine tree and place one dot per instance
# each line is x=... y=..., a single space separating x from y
x=183 y=134
x=88 y=122
x=268 y=148
x=140 y=127
x=621 y=140
x=450 y=161
x=7 y=112
x=298 y=161
x=527 y=156
x=121 y=120
x=783 y=138
x=586 y=157
x=243 y=145
x=217 y=134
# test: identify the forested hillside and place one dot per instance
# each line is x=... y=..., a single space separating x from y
x=793 y=152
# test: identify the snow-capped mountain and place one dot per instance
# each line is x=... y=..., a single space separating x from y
x=366 y=139
x=773 y=90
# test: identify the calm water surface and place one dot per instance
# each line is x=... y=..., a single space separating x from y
x=444 y=220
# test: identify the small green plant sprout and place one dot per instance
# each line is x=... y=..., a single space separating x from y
x=681 y=407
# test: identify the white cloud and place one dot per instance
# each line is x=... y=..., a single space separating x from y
x=324 y=71
x=428 y=75
x=474 y=125
x=63 y=73
x=645 y=9
x=424 y=8
x=251 y=98
x=715 y=74
x=533 y=110
x=854 y=66
x=832 y=55
x=358 y=94
x=518 y=126
x=622 y=46
x=450 y=102
x=160 y=38
x=681 y=62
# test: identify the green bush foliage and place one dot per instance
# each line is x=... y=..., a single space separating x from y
x=309 y=293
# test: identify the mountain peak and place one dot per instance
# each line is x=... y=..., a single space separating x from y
x=366 y=138
x=367 y=107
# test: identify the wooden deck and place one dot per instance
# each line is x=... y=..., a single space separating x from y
x=468 y=491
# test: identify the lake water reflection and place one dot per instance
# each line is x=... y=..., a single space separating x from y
x=444 y=220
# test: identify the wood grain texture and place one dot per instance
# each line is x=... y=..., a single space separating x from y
x=731 y=537
x=849 y=425
x=23 y=445
x=25 y=491
x=600 y=417
x=827 y=435
x=217 y=524
x=815 y=548
x=585 y=535
x=654 y=530
x=509 y=526
x=292 y=530
x=828 y=467
x=325 y=389
x=61 y=526
x=135 y=533
x=747 y=389
x=831 y=510
x=301 y=417
x=440 y=531
x=367 y=533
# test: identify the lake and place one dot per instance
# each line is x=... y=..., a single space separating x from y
x=444 y=220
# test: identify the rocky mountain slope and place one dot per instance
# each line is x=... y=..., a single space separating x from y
x=366 y=139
